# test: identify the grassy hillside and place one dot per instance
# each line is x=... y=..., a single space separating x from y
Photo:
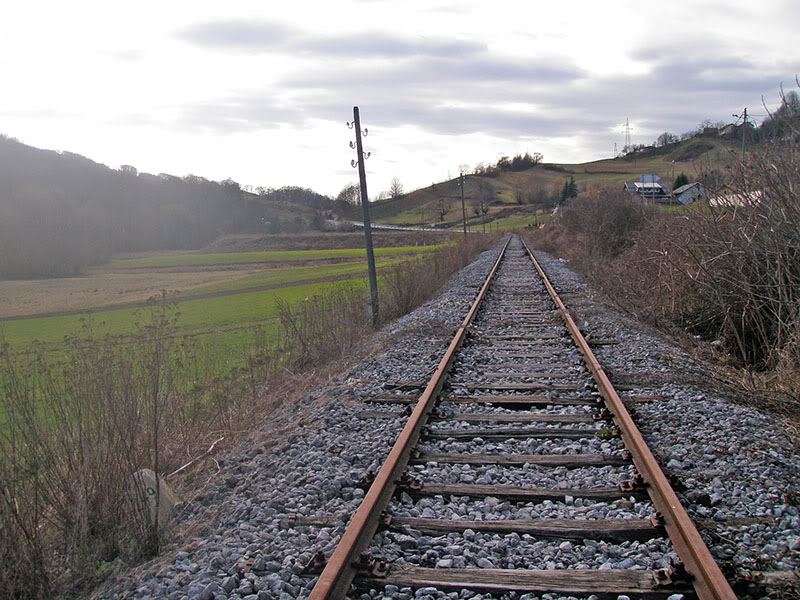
x=511 y=195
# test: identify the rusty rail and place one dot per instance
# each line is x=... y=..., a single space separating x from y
x=708 y=581
x=338 y=574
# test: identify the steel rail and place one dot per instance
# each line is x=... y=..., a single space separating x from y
x=338 y=574
x=707 y=578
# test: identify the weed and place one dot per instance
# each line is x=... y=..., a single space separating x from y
x=72 y=435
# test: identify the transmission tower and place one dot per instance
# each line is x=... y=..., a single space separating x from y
x=628 y=128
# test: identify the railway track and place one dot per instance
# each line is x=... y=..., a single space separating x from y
x=519 y=470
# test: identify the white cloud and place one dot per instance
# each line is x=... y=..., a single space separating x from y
x=260 y=94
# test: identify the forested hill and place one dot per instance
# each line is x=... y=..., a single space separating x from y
x=60 y=211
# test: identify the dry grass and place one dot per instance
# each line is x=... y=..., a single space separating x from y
x=99 y=288
x=70 y=440
x=728 y=275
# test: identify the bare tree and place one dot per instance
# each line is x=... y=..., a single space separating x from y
x=444 y=208
x=396 y=188
x=350 y=194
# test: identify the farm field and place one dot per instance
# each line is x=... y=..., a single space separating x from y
x=275 y=256
x=218 y=309
x=116 y=286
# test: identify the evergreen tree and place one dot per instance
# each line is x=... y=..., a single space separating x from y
x=570 y=190
x=680 y=180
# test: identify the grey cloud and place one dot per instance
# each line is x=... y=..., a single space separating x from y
x=456 y=88
x=263 y=36
x=444 y=77
x=238 y=35
x=374 y=45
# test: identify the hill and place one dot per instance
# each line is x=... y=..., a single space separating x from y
x=507 y=193
x=61 y=211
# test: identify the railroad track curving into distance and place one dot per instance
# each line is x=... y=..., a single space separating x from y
x=521 y=470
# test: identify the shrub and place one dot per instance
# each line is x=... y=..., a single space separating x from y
x=603 y=223
x=70 y=441
x=71 y=436
x=727 y=270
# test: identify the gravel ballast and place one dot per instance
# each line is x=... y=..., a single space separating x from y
x=269 y=509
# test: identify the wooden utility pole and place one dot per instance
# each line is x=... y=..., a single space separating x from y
x=744 y=128
x=463 y=210
x=362 y=177
x=744 y=131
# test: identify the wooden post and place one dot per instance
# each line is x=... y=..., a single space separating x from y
x=463 y=210
x=362 y=177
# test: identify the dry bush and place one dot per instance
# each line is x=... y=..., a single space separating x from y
x=330 y=323
x=70 y=441
x=324 y=326
x=414 y=282
x=728 y=271
x=71 y=437
x=593 y=229
x=604 y=221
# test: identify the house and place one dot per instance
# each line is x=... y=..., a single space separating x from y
x=691 y=192
x=647 y=190
x=729 y=131
x=710 y=131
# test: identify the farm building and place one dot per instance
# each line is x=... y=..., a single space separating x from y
x=691 y=192
x=647 y=190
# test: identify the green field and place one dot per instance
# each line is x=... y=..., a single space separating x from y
x=281 y=276
x=228 y=258
x=222 y=324
x=195 y=316
x=520 y=221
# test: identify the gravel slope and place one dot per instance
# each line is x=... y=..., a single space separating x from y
x=733 y=461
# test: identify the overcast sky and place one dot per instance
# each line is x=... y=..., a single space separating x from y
x=261 y=91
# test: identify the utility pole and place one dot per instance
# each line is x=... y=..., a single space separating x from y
x=362 y=177
x=744 y=128
x=744 y=131
x=463 y=210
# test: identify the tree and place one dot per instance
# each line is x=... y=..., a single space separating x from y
x=680 y=180
x=666 y=138
x=350 y=195
x=396 y=188
x=476 y=207
x=444 y=208
x=570 y=189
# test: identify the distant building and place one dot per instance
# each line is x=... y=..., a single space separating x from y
x=729 y=131
x=647 y=190
x=733 y=200
x=711 y=131
x=691 y=192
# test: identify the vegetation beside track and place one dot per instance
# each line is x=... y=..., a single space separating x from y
x=729 y=275
x=71 y=436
